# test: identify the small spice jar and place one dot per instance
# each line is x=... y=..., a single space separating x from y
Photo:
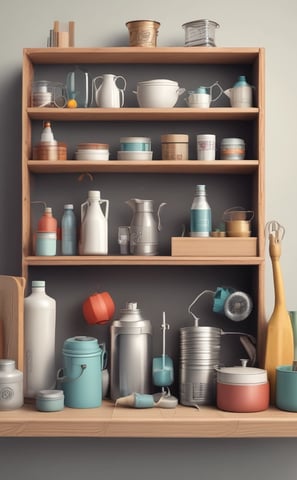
x=175 y=147
x=232 y=149
x=11 y=386
x=50 y=400
x=46 y=244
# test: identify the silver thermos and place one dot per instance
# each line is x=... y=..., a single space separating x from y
x=131 y=356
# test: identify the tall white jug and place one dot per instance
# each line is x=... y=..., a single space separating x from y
x=39 y=340
x=94 y=226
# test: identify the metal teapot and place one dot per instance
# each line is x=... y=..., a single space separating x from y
x=144 y=228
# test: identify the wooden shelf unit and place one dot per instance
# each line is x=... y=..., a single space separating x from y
x=120 y=422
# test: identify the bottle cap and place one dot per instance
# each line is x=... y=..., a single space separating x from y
x=38 y=283
x=68 y=206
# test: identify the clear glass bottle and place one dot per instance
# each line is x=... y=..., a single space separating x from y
x=200 y=223
x=39 y=340
x=68 y=231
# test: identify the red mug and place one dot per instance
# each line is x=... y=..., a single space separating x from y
x=98 y=308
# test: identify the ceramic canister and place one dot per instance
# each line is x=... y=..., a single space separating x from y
x=11 y=386
x=81 y=378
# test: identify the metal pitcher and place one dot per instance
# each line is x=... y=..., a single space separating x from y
x=144 y=228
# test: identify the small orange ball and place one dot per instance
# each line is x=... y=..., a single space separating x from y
x=72 y=103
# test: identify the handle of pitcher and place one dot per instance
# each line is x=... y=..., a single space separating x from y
x=63 y=378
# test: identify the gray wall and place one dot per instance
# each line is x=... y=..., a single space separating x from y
x=267 y=24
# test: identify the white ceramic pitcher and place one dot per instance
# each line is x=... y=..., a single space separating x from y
x=106 y=93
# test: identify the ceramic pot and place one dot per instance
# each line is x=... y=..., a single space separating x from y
x=242 y=389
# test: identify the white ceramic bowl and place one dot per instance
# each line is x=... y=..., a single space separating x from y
x=87 y=155
x=134 y=155
x=158 y=93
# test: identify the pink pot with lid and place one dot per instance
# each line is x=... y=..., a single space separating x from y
x=242 y=389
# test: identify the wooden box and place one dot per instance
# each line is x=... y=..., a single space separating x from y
x=214 y=247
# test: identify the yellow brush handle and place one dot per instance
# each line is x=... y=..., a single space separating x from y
x=279 y=340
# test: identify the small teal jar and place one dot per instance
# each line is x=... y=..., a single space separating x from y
x=46 y=243
x=50 y=400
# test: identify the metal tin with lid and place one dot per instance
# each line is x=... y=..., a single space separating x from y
x=232 y=149
x=11 y=386
x=175 y=147
x=50 y=400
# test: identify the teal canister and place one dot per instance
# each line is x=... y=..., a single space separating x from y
x=81 y=376
x=286 y=388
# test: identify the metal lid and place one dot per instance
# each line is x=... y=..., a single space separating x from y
x=50 y=394
x=199 y=23
x=237 y=141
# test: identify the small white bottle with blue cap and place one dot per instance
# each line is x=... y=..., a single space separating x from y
x=200 y=221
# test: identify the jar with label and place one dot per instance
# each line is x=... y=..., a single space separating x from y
x=175 y=147
x=232 y=149
x=201 y=219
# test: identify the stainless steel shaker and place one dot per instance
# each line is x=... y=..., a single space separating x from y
x=131 y=356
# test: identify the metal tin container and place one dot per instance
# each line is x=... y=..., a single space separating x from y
x=143 y=33
x=232 y=149
x=200 y=33
x=50 y=400
x=175 y=147
x=11 y=386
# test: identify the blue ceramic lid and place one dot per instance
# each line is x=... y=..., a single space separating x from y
x=81 y=345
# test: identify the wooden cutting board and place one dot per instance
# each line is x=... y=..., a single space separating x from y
x=12 y=319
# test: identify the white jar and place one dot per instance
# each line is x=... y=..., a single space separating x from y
x=39 y=340
x=11 y=386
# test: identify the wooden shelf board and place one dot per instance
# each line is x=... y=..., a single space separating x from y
x=181 y=422
x=155 y=166
x=137 y=260
x=127 y=114
x=176 y=55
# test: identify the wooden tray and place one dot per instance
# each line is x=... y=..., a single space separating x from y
x=12 y=319
x=214 y=247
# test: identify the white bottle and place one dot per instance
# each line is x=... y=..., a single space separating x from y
x=39 y=340
x=68 y=231
x=200 y=214
x=94 y=227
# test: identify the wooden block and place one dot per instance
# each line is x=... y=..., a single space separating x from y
x=63 y=39
x=12 y=319
x=214 y=247
x=56 y=31
x=71 y=28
